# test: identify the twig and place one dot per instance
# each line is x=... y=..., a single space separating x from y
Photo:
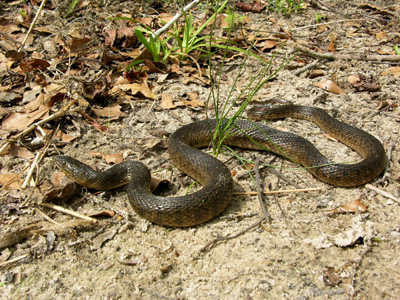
x=383 y=193
x=306 y=68
x=391 y=115
x=70 y=212
x=11 y=261
x=283 y=177
x=222 y=238
x=30 y=172
x=279 y=192
x=48 y=218
x=175 y=18
x=39 y=123
x=355 y=267
x=327 y=23
x=33 y=24
x=259 y=195
x=347 y=56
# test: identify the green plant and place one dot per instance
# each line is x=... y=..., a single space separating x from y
x=396 y=49
x=224 y=108
x=157 y=47
x=187 y=38
x=72 y=6
x=233 y=19
x=318 y=18
x=286 y=7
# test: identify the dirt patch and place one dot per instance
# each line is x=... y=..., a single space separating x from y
x=303 y=253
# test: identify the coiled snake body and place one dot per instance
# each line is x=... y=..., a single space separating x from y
x=216 y=178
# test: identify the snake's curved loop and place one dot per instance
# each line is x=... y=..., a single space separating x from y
x=216 y=178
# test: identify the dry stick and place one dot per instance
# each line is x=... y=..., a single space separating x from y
x=70 y=212
x=222 y=238
x=263 y=208
x=259 y=195
x=383 y=193
x=11 y=261
x=30 y=172
x=36 y=164
x=306 y=68
x=327 y=23
x=33 y=24
x=279 y=192
x=39 y=123
x=48 y=218
x=283 y=177
x=175 y=18
x=347 y=56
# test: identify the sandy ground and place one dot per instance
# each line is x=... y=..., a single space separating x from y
x=302 y=253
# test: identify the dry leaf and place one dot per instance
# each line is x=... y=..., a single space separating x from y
x=381 y=36
x=11 y=181
x=60 y=136
x=361 y=83
x=20 y=121
x=331 y=47
x=316 y=73
x=158 y=184
x=60 y=187
x=115 y=158
x=193 y=101
x=168 y=102
x=353 y=78
x=330 y=86
x=395 y=71
x=18 y=151
x=105 y=212
x=351 y=207
x=268 y=44
x=111 y=112
x=134 y=88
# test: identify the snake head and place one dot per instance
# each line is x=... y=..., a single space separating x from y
x=74 y=169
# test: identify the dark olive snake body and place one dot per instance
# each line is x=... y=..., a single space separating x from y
x=215 y=177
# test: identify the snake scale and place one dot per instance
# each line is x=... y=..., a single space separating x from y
x=215 y=177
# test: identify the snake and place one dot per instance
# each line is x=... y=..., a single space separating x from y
x=215 y=177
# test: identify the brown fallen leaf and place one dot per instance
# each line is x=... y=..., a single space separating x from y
x=11 y=181
x=168 y=102
x=256 y=7
x=268 y=45
x=316 y=73
x=105 y=212
x=353 y=78
x=158 y=184
x=395 y=71
x=115 y=158
x=193 y=101
x=60 y=187
x=111 y=112
x=20 y=121
x=331 y=47
x=17 y=151
x=59 y=136
x=133 y=88
x=330 y=86
x=350 y=207
x=362 y=83
x=381 y=36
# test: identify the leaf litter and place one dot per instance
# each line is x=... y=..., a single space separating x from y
x=124 y=112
